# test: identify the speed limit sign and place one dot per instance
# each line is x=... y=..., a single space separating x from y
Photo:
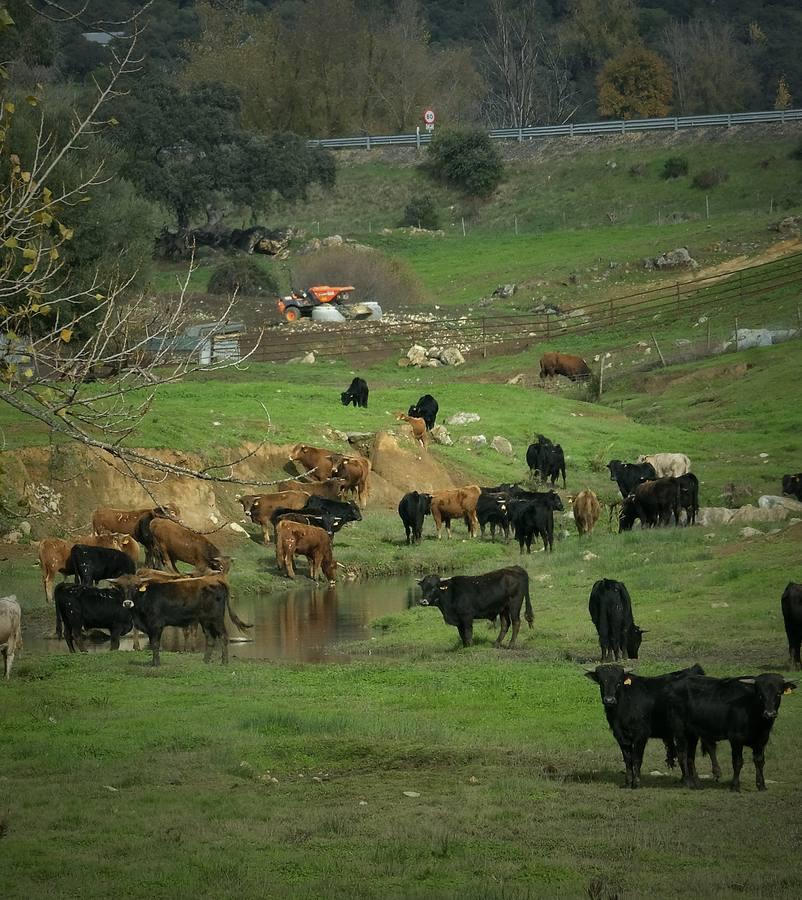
x=428 y=117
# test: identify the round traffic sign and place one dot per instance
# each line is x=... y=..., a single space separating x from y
x=428 y=117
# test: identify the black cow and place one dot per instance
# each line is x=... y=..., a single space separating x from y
x=93 y=564
x=492 y=509
x=535 y=455
x=534 y=515
x=413 y=508
x=689 y=496
x=792 y=485
x=318 y=518
x=357 y=393
x=546 y=459
x=81 y=608
x=426 y=408
x=792 y=615
x=346 y=510
x=636 y=710
x=463 y=598
x=653 y=502
x=156 y=603
x=740 y=710
x=628 y=475
x=507 y=489
x=610 y=607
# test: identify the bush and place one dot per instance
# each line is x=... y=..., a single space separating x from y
x=675 y=167
x=244 y=275
x=421 y=212
x=637 y=169
x=710 y=178
x=374 y=276
x=796 y=153
x=467 y=160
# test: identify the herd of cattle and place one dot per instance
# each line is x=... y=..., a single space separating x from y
x=303 y=516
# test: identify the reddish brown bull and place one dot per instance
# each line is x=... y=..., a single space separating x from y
x=106 y=519
x=319 y=463
x=572 y=367
x=260 y=507
x=354 y=471
x=175 y=543
x=586 y=511
x=456 y=504
x=312 y=542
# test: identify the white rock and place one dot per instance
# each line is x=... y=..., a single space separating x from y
x=501 y=445
x=750 y=532
x=238 y=528
x=452 y=357
x=750 y=513
x=411 y=793
x=25 y=527
x=769 y=501
x=714 y=515
x=440 y=435
x=13 y=537
x=516 y=379
x=589 y=556
x=463 y=418
x=417 y=355
x=720 y=605
x=762 y=455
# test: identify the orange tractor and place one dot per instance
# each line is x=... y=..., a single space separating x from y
x=301 y=303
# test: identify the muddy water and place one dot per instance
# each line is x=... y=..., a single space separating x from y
x=304 y=624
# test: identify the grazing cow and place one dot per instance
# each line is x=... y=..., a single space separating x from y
x=10 y=631
x=456 y=504
x=587 y=510
x=418 y=426
x=573 y=367
x=354 y=472
x=260 y=507
x=740 y=710
x=534 y=516
x=181 y=602
x=93 y=564
x=82 y=607
x=493 y=510
x=426 y=408
x=792 y=485
x=311 y=542
x=106 y=519
x=653 y=502
x=413 y=508
x=610 y=607
x=332 y=488
x=174 y=543
x=792 y=616
x=629 y=475
x=318 y=463
x=357 y=393
x=668 y=465
x=689 y=496
x=463 y=598
x=635 y=707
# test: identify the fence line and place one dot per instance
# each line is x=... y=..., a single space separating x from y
x=618 y=126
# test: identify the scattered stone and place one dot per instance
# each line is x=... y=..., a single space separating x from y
x=333 y=240
x=505 y=290
x=589 y=556
x=463 y=418
x=365 y=802
x=25 y=527
x=12 y=537
x=763 y=455
x=307 y=359
x=473 y=780
x=759 y=337
x=404 y=363
x=516 y=379
x=750 y=532
x=721 y=604
x=501 y=445
x=433 y=352
x=656 y=774
x=750 y=513
x=788 y=227
x=714 y=515
x=475 y=440
x=452 y=357
x=768 y=501
x=411 y=794
x=417 y=355
x=673 y=259
x=238 y=528
x=709 y=537
x=440 y=435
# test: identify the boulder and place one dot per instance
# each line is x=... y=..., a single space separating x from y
x=788 y=227
x=463 y=418
x=474 y=440
x=751 y=513
x=452 y=357
x=675 y=259
x=759 y=337
x=13 y=537
x=417 y=355
x=433 y=352
x=516 y=379
x=769 y=501
x=750 y=532
x=440 y=435
x=501 y=445
x=333 y=240
x=505 y=290
x=714 y=515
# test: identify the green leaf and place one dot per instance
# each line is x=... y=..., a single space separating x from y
x=11 y=243
x=30 y=253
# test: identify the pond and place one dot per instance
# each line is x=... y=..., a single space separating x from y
x=304 y=624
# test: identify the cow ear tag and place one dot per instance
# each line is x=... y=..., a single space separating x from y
x=627 y=681
x=143 y=589
x=788 y=690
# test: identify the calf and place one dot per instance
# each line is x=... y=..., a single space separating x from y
x=418 y=426
x=157 y=602
x=463 y=598
x=668 y=465
x=174 y=543
x=412 y=509
x=311 y=542
x=740 y=710
x=456 y=504
x=689 y=496
x=493 y=510
x=357 y=393
x=426 y=408
x=792 y=616
x=10 y=631
x=792 y=485
x=629 y=475
x=261 y=507
x=610 y=608
x=82 y=607
x=587 y=510
x=636 y=710
x=93 y=564
x=534 y=516
x=653 y=502
x=354 y=472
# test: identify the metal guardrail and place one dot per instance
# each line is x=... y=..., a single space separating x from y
x=619 y=126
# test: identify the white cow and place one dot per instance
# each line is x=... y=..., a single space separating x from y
x=668 y=464
x=10 y=632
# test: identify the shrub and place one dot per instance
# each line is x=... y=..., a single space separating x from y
x=467 y=160
x=675 y=167
x=373 y=275
x=244 y=275
x=421 y=212
x=637 y=169
x=710 y=178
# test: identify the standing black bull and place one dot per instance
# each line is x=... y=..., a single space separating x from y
x=463 y=598
x=426 y=408
x=792 y=616
x=93 y=564
x=357 y=393
x=81 y=608
x=610 y=608
x=546 y=459
x=792 y=485
x=412 y=509
x=653 y=502
x=629 y=475
x=533 y=514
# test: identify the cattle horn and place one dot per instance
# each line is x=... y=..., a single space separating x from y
x=747 y=680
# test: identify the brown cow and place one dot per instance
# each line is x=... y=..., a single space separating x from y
x=312 y=542
x=260 y=507
x=418 y=426
x=331 y=489
x=319 y=463
x=354 y=471
x=586 y=511
x=572 y=367
x=173 y=543
x=456 y=504
x=54 y=554
x=106 y=519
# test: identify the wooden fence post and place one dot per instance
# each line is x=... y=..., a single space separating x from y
x=548 y=326
x=484 y=339
x=659 y=351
